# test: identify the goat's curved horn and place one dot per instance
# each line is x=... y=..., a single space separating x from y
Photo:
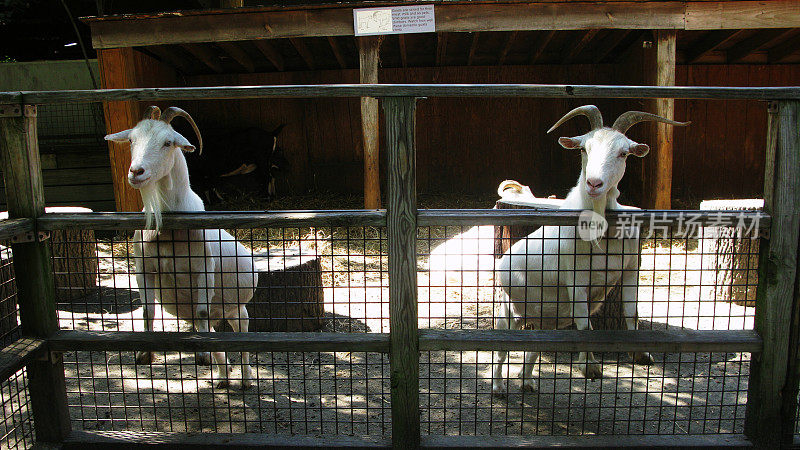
x=590 y=111
x=172 y=112
x=152 y=112
x=631 y=118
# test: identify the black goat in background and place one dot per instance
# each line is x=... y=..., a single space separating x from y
x=237 y=152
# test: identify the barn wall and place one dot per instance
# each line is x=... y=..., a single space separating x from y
x=75 y=163
x=470 y=145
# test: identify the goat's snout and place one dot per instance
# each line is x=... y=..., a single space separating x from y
x=137 y=176
x=137 y=171
x=594 y=184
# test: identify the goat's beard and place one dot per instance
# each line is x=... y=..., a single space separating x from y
x=154 y=202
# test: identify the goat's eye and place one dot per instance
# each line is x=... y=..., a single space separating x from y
x=623 y=154
x=168 y=144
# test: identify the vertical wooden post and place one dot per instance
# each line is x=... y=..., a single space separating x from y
x=117 y=71
x=402 y=234
x=772 y=389
x=368 y=57
x=34 y=277
x=664 y=107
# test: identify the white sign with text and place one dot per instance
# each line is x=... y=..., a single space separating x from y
x=394 y=20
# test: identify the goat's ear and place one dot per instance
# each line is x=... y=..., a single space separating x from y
x=122 y=136
x=639 y=150
x=183 y=143
x=570 y=142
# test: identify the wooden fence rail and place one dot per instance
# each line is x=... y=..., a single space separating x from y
x=773 y=381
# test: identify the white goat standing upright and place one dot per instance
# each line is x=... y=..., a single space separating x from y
x=196 y=275
x=553 y=278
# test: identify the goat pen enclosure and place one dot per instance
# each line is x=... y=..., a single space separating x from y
x=406 y=339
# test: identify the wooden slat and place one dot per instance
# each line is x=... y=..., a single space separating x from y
x=761 y=40
x=164 y=341
x=609 y=44
x=368 y=61
x=13 y=227
x=401 y=224
x=33 y=271
x=84 y=440
x=510 y=39
x=671 y=218
x=268 y=50
x=578 y=47
x=540 y=46
x=777 y=296
x=238 y=55
x=710 y=43
x=784 y=50
x=206 y=55
x=133 y=221
x=17 y=354
x=337 y=52
x=304 y=52
x=670 y=341
x=405 y=90
x=664 y=107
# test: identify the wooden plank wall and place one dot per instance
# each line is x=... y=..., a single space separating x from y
x=470 y=145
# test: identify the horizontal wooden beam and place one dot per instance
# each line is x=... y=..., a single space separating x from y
x=12 y=227
x=642 y=217
x=134 y=221
x=86 y=440
x=69 y=340
x=221 y=26
x=671 y=341
x=404 y=90
x=17 y=354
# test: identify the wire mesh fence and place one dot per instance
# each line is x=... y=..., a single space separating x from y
x=9 y=321
x=16 y=427
x=335 y=279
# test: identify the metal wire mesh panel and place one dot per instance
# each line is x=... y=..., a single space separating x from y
x=307 y=279
x=16 y=428
x=9 y=323
x=683 y=393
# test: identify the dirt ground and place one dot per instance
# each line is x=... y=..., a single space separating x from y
x=348 y=393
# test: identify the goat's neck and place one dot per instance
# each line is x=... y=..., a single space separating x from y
x=175 y=186
x=579 y=199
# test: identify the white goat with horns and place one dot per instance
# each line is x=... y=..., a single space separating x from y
x=196 y=275
x=553 y=278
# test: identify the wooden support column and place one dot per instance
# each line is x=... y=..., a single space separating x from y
x=399 y=114
x=772 y=389
x=368 y=57
x=19 y=148
x=117 y=71
x=664 y=107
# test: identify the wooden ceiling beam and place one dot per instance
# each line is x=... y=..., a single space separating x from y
x=170 y=57
x=783 y=50
x=253 y=24
x=472 y=48
x=765 y=39
x=205 y=55
x=541 y=45
x=607 y=45
x=337 y=52
x=709 y=43
x=237 y=54
x=441 y=48
x=268 y=50
x=401 y=41
x=304 y=52
x=512 y=36
x=578 y=48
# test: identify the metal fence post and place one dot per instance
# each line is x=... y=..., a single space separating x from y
x=772 y=390
x=402 y=235
x=19 y=148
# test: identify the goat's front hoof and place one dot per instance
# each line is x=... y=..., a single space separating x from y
x=592 y=371
x=144 y=358
x=643 y=358
x=528 y=386
x=499 y=389
x=203 y=358
x=221 y=384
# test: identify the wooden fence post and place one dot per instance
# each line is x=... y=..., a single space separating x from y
x=772 y=390
x=19 y=148
x=402 y=234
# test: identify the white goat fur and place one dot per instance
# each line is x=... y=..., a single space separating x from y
x=554 y=278
x=185 y=270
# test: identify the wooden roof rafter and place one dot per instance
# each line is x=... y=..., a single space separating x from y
x=580 y=45
x=767 y=40
x=473 y=47
x=304 y=52
x=401 y=43
x=711 y=42
x=784 y=50
x=337 y=52
x=510 y=38
x=273 y=56
x=205 y=55
x=236 y=53
x=540 y=46
x=441 y=48
x=608 y=44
